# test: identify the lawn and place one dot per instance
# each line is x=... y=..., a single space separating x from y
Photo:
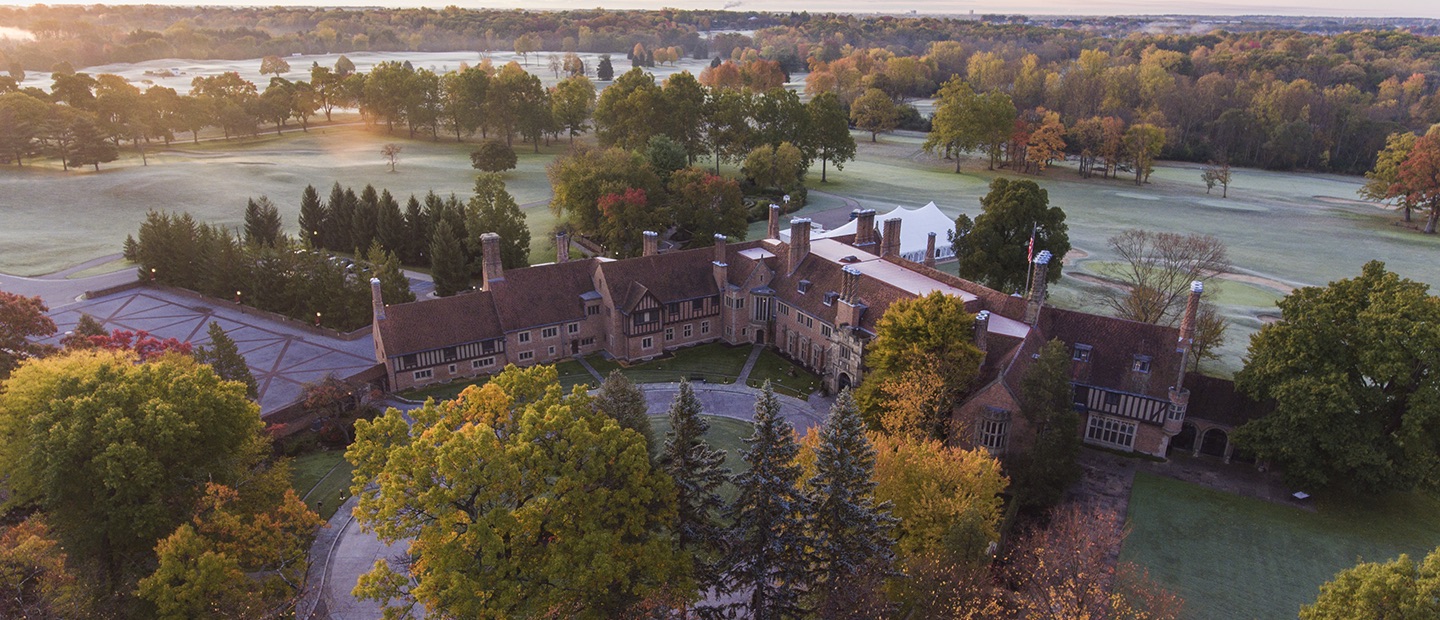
x=778 y=370
x=714 y=363
x=726 y=434
x=1234 y=558
x=322 y=479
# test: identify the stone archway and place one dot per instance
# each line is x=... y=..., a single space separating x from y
x=1185 y=440
x=1215 y=443
x=842 y=382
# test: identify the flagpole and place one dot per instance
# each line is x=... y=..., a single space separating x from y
x=1030 y=256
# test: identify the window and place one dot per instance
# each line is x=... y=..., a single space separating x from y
x=739 y=303
x=1082 y=395
x=990 y=434
x=526 y=356
x=573 y=328
x=803 y=287
x=585 y=342
x=452 y=369
x=1081 y=353
x=825 y=330
x=1112 y=399
x=844 y=353
x=784 y=309
x=524 y=337
x=592 y=310
x=697 y=305
x=762 y=308
x=550 y=332
x=1141 y=363
x=648 y=316
x=670 y=333
x=729 y=331
x=673 y=308
x=689 y=330
x=424 y=374
x=810 y=322
x=551 y=353
x=1111 y=432
x=484 y=362
x=647 y=342
x=830 y=298
x=704 y=327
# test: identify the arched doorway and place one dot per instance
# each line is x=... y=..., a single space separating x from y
x=1214 y=443
x=759 y=336
x=1185 y=440
x=842 y=382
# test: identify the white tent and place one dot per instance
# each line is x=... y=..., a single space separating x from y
x=915 y=226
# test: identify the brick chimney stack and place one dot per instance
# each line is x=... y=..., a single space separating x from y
x=849 y=311
x=652 y=243
x=799 y=241
x=773 y=231
x=377 y=301
x=562 y=247
x=930 y=250
x=982 y=330
x=1036 y=299
x=491 y=269
x=1187 y=329
x=890 y=238
x=865 y=229
x=720 y=268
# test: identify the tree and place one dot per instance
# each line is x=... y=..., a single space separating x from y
x=1352 y=370
x=728 y=129
x=996 y=250
x=34 y=581
x=262 y=223
x=704 y=205
x=851 y=528
x=626 y=113
x=527 y=501
x=572 y=103
x=526 y=44
x=344 y=66
x=1143 y=142
x=1046 y=469
x=492 y=209
x=1418 y=182
x=768 y=559
x=930 y=334
x=84 y=333
x=224 y=358
x=952 y=128
x=389 y=224
x=21 y=320
x=684 y=100
x=22 y=124
x=830 y=132
x=493 y=156
x=1218 y=174
x=391 y=153
x=665 y=155
x=776 y=167
x=136 y=438
x=1387 y=171
x=274 y=65
x=1047 y=141
x=874 y=112
x=698 y=472
x=604 y=71
x=1401 y=589
x=447 y=261
x=957 y=525
x=580 y=179
x=312 y=218
x=1156 y=269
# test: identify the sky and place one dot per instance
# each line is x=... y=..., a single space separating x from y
x=1342 y=8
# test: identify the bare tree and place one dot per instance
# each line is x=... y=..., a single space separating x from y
x=1155 y=271
x=391 y=152
x=1217 y=174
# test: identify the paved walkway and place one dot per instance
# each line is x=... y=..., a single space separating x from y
x=590 y=369
x=755 y=352
x=56 y=290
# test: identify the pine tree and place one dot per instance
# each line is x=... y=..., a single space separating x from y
x=366 y=218
x=223 y=356
x=383 y=264
x=1042 y=474
x=417 y=233
x=698 y=472
x=312 y=218
x=492 y=209
x=336 y=231
x=852 y=539
x=619 y=398
x=767 y=559
x=447 y=262
x=262 y=223
x=390 y=224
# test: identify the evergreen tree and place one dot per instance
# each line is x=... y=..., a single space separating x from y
x=619 y=398
x=390 y=224
x=224 y=357
x=338 y=213
x=383 y=264
x=262 y=223
x=312 y=218
x=366 y=219
x=604 y=70
x=447 y=261
x=851 y=531
x=417 y=234
x=698 y=472
x=767 y=559
x=1041 y=475
x=492 y=209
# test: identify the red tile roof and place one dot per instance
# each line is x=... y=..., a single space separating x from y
x=436 y=323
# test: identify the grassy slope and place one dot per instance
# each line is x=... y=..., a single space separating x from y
x=325 y=476
x=1233 y=558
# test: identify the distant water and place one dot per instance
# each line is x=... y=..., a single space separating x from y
x=1342 y=8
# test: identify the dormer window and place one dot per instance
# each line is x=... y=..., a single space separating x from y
x=803 y=287
x=830 y=298
x=1081 y=353
x=1141 y=363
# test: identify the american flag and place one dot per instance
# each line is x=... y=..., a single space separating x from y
x=1030 y=252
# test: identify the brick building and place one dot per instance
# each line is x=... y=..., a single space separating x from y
x=815 y=301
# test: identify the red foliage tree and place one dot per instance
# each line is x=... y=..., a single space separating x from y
x=1419 y=179
x=145 y=345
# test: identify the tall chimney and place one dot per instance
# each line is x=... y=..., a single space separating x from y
x=865 y=228
x=930 y=250
x=890 y=239
x=1036 y=299
x=1187 y=328
x=982 y=330
x=491 y=269
x=773 y=231
x=799 y=241
x=652 y=243
x=849 y=284
x=849 y=311
x=562 y=247
x=377 y=301
x=720 y=268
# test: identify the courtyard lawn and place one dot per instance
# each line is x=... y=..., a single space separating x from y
x=322 y=479
x=713 y=363
x=1235 y=558
x=778 y=370
x=726 y=434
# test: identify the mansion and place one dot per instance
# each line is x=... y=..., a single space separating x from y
x=816 y=301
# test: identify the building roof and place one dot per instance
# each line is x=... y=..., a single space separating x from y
x=915 y=228
x=1217 y=400
x=1115 y=343
x=543 y=294
x=437 y=323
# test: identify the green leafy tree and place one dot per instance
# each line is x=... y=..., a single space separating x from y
x=22 y=124
x=1401 y=589
x=931 y=335
x=684 y=101
x=994 y=250
x=448 y=267
x=364 y=218
x=622 y=400
x=875 y=112
x=776 y=167
x=604 y=70
x=1352 y=370
x=626 y=113
x=572 y=103
x=580 y=179
x=344 y=66
x=274 y=65
x=1046 y=469
x=521 y=499
x=729 y=133
x=312 y=218
x=704 y=205
x=665 y=155
x=1143 y=142
x=262 y=222
x=493 y=156
x=384 y=265
x=22 y=319
x=224 y=358
x=698 y=472
x=492 y=209
x=768 y=559
x=1386 y=172
x=830 y=137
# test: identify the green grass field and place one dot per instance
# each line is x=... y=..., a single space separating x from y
x=726 y=434
x=1236 y=558
x=715 y=363
x=322 y=479
x=777 y=370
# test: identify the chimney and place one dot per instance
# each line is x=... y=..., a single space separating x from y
x=773 y=232
x=799 y=241
x=930 y=250
x=1036 y=299
x=1187 y=329
x=562 y=247
x=865 y=228
x=849 y=310
x=890 y=240
x=652 y=243
x=982 y=330
x=377 y=301
x=719 y=267
x=849 y=284
x=491 y=269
